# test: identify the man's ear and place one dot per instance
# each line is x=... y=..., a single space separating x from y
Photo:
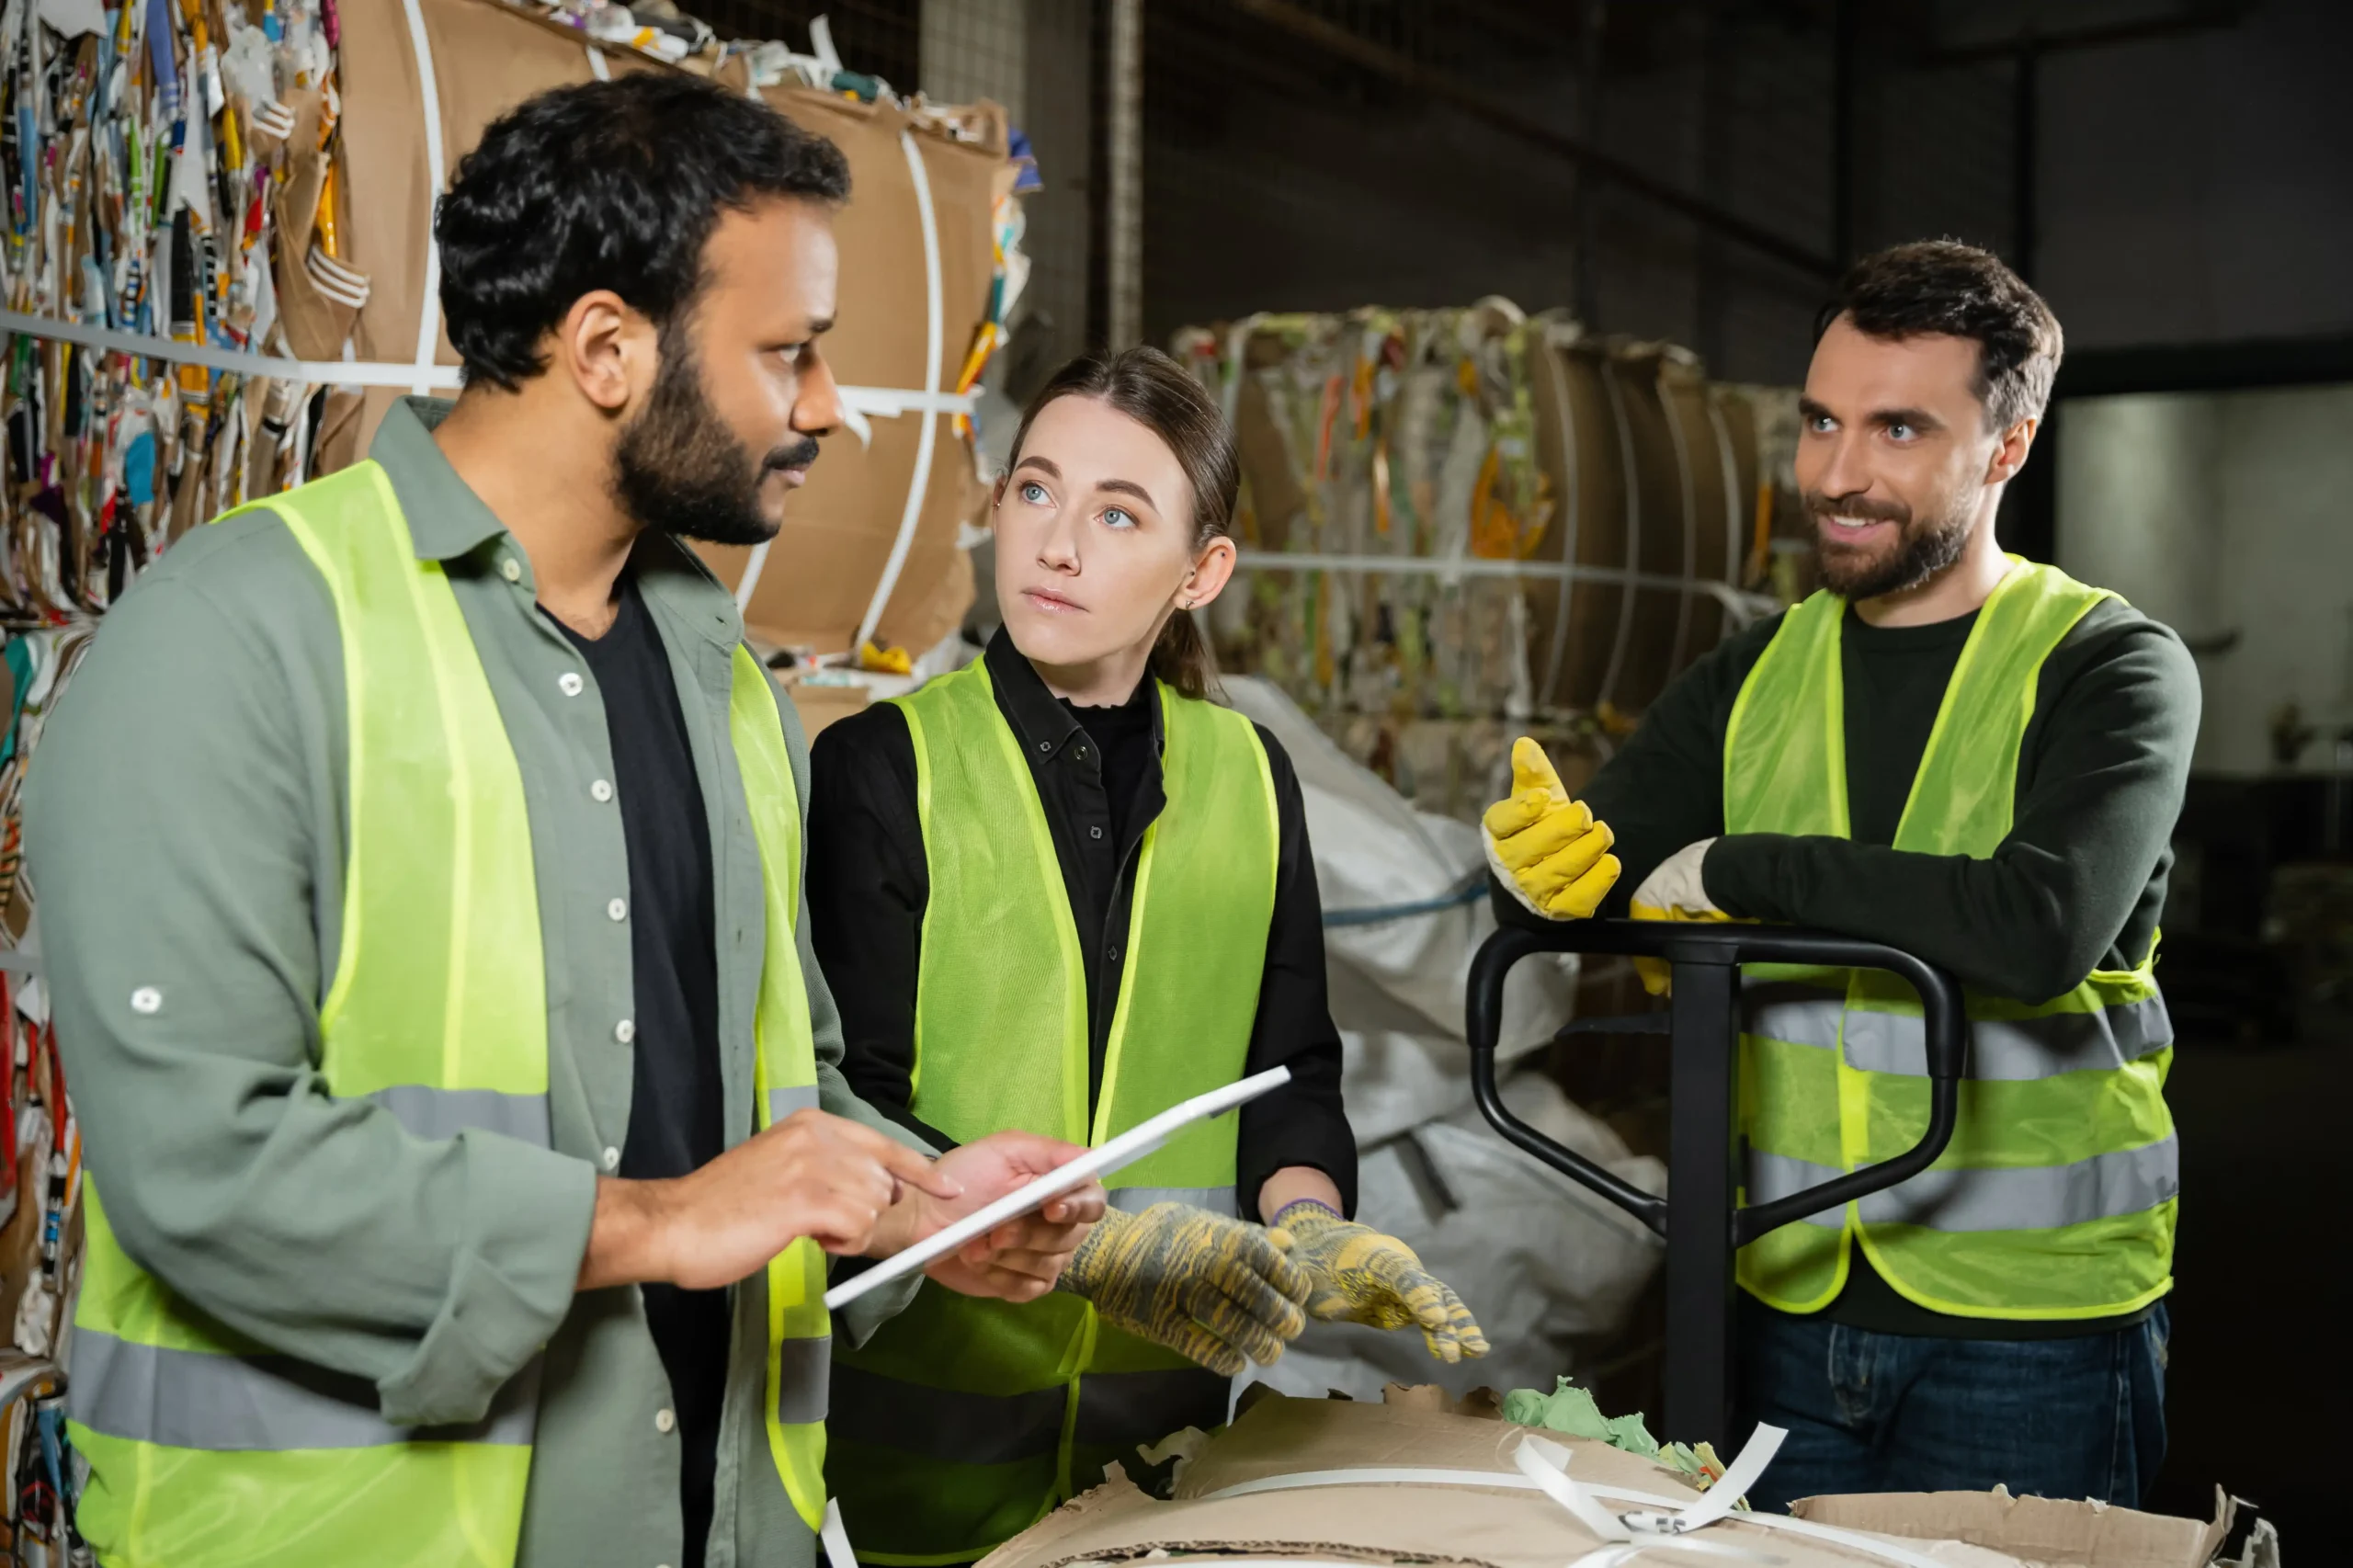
x=610 y=352
x=2010 y=452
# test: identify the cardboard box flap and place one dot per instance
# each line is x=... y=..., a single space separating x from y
x=2040 y=1530
x=1283 y=1436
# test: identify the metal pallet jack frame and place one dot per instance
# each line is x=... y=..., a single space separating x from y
x=1701 y=1219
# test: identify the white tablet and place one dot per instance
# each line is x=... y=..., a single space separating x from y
x=1125 y=1150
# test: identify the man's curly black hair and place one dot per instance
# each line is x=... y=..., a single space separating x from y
x=1948 y=288
x=608 y=185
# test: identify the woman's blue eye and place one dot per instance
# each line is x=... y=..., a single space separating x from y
x=1034 y=493
x=1118 y=517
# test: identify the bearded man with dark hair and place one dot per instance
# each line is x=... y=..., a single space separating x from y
x=1955 y=752
x=420 y=868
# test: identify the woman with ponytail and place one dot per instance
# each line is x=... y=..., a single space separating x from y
x=1062 y=889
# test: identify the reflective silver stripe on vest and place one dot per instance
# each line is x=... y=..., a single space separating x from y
x=2031 y=1197
x=435 y=1114
x=191 y=1399
x=803 y=1380
x=1123 y=1409
x=1999 y=1049
x=944 y=1425
x=1216 y=1200
x=784 y=1102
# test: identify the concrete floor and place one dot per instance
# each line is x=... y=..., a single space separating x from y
x=2256 y=1389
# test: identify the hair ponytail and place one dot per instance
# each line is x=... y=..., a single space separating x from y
x=1155 y=391
x=1181 y=657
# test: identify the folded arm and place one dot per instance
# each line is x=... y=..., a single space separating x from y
x=2095 y=815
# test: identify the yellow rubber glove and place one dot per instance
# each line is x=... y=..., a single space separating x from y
x=1212 y=1289
x=1675 y=892
x=1545 y=847
x=1361 y=1276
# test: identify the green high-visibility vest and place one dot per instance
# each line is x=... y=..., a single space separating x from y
x=206 y=1449
x=2056 y=1196
x=962 y=1421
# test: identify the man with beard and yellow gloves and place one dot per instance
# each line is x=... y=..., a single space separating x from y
x=1979 y=761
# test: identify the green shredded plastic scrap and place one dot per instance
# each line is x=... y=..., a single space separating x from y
x=1570 y=1411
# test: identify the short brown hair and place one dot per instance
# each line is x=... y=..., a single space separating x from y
x=1951 y=290
x=1154 y=390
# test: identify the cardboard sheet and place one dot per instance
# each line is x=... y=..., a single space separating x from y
x=1476 y=1526
x=820 y=574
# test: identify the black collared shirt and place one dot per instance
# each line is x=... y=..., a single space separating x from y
x=869 y=884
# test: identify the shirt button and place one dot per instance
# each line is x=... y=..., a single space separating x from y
x=618 y=909
x=1115 y=952
x=626 y=1030
x=1045 y=746
x=146 y=999
x=1079 y=753
x=1094 y=832
x=601 y=790
x=612 y=1159
x=511 y=569
x=570 y=683
x=664 y=1421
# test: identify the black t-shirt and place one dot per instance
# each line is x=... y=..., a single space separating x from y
x=676 y=1118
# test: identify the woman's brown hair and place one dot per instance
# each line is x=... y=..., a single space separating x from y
x=1154 y=390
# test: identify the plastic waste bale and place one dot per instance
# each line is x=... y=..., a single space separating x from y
x=1545 y=1265
x=1405 y=907
x=1542 y=1262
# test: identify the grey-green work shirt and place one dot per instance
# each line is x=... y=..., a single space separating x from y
x=186 y=831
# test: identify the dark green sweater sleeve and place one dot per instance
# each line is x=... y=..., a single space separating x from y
x=2078 y=882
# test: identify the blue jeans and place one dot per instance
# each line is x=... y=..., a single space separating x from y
x=2077 y=1417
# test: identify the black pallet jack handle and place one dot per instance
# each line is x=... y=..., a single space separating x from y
x=1701 y=1219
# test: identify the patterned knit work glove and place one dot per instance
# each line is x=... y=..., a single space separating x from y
x=1361 y=1276
x=1215 y=1290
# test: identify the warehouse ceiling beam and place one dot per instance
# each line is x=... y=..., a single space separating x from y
x=1479 y=105
x=2199 y=17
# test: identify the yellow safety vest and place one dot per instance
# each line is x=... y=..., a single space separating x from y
x=206 y=1449
x=2056 y=1196
x=977 y=1418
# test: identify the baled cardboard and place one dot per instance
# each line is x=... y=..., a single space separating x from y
x=839 y=528
x=2039 y=1530
x=819 y=706
x=822 y=569
x=1456 y=1524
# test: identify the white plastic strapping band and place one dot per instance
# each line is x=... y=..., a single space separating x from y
x=928 y=437
x=1673 y=1525
x=1745 y=607
x=428 y=313
x=879 y=401
x=332 y=372
x=598 y=69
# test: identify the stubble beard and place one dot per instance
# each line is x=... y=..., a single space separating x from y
x=679 y=469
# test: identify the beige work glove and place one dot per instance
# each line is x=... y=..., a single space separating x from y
x=1215 y=1290
x=1545 y=847
x=1361 y=1276
x=1674 y=892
